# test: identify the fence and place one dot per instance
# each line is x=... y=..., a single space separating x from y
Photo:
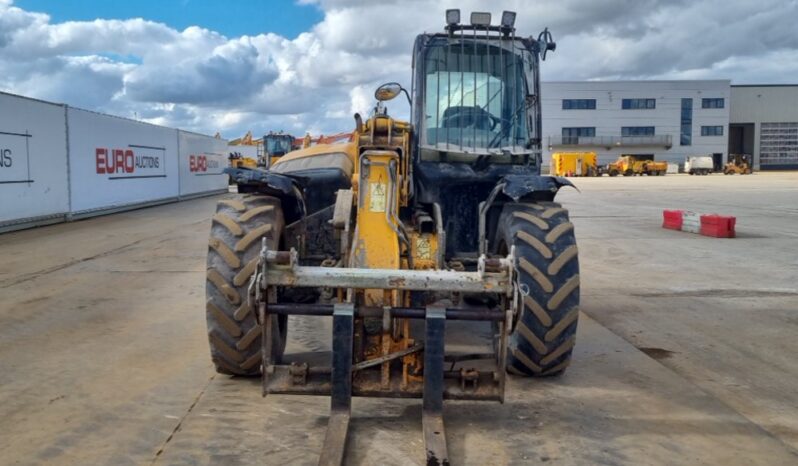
x=59 y=163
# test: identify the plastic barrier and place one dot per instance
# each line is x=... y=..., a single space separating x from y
x=34 y=185
x=672 y=219
x=115 y=162
x=717 y=226
x=202 y=159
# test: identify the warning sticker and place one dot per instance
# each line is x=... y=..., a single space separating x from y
x=423 y=248
x=377 y=193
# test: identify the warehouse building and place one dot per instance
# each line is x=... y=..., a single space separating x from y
x=671 y=120
x=764 y=122
x=666 y=120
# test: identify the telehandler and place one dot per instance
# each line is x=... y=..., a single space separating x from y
x=403 y=224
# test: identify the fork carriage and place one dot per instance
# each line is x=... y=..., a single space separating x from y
x=388 y=362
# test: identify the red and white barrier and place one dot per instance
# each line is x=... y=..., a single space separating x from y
x=717 y=226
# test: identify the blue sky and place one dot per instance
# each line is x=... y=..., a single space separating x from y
x=231 y=18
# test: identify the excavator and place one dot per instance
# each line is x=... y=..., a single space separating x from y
x=400 y=231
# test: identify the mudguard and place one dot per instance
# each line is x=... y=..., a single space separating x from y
x=285 y=187
x=542 y=187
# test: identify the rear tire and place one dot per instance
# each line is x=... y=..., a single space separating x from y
x=235 y=243
x=548 y=267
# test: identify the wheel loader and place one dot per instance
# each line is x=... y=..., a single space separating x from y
x=405 y=228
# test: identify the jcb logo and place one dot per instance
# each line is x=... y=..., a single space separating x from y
x=6 y=159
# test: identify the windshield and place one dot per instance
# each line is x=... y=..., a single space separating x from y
x=280 y=145
x=475 y=96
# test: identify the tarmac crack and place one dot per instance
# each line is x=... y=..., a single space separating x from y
x=180 y=422
x=40 y=273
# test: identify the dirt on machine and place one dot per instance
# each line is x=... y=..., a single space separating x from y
x=630 y=165
x=392 y=231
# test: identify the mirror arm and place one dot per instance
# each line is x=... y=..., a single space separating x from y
x=409 y=101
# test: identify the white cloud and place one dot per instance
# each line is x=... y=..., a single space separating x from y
x=201 y=80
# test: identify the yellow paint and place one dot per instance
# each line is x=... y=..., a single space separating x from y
x=349 y=148
x=424 y=248
x=377 y=244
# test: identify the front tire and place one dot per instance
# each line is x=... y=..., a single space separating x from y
x=233 y=249
x=548 y=269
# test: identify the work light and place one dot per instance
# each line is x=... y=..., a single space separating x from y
x=508 y=19
x=480 y=19
x=452 y=17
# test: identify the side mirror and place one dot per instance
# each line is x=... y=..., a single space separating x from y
x=387 y=91
x=546 y=43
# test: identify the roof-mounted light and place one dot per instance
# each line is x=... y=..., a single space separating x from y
x=480 y=19
x=508 y=19
x=452 y=17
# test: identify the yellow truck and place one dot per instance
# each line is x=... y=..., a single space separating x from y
x=574 y=164
x=628 y=165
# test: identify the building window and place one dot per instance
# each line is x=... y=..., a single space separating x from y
x=572 y=135
x=637 y=131
x=634 y=104
x=686 y=133
x=579 y=104
x=712 y=103
x=712 y=131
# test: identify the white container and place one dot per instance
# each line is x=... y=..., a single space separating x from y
x=202 y=159
x=116 y=162
x=34 y=186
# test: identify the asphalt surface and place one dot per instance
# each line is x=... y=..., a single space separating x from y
x=685 y=349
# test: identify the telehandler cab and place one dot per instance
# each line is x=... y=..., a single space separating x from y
x=401 y=224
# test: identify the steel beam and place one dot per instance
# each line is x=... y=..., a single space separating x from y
x=388 y=279
x=332 y=453
x=432 y=411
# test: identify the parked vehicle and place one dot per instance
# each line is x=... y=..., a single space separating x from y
x=574 y=164
x=739 y=164
x=628 y=165
x=698 y=165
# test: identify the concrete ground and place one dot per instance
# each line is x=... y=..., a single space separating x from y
x=685 y=351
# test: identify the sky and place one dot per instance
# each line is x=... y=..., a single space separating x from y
x=309 y=65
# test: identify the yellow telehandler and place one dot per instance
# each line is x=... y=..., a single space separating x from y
x=402 y=224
